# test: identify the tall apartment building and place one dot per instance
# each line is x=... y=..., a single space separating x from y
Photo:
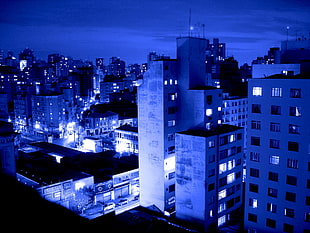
x=174 y=98
x=277 y=195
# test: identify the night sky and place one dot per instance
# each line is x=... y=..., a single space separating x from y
x=130 y=29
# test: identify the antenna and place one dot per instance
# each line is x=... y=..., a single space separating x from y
x=190 y=22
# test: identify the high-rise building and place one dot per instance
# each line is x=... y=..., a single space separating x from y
x=174 y=98
x=277 y=196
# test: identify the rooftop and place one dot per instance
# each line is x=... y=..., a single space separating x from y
x=202 y=132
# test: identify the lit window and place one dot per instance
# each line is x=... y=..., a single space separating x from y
x=231 y=164
x=295 y=111
x=274 y=159
x=253 y=202
x=171 y=123
x=222 y=207
x=222 y=194
x=170 y=81
x=222 y=168
x=221 y=220
x=209 y=112
x=165 y=82
x=257 y=91
x=172 y=96
x=276 y=92
x=230 y=178
x=219 y=109
x=232 y=138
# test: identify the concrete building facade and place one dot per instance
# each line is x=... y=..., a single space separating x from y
x=277 y=197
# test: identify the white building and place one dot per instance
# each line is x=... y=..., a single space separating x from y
x=277 y=194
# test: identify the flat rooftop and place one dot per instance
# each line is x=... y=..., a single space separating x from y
x=220 y=129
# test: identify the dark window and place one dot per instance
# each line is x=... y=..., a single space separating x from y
x=292 y=163
x=288 y=228
x=293 y=146
x=273 y=176
x=172 y=110
x=253 y=188
x=256 y=108
x=256 y=124
x=254 y=172
x=223 y=154
x=255 y=141
x=274 y=127
x=290 y=196
x=270 y=223
x=274 y=143
x=239 y=136
x=211 y=187
x=295 y=92
x=171 y=188
x=252 y=217
x=275 y=110
x=223 y=181
x=254 y=156
x=292 y=180
x=308 y=200
x=230 y=203
x=272 y=192
x=308 y=184
x=209 y=99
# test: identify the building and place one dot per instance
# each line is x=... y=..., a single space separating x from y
x=48 y=114
x=126 y=140
x=277 y=197
x=157 y=106
x=174 y=97
x=7 y=149
x=208 y=175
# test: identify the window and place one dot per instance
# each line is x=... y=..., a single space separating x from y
x=221 y=220
x=253 y=203
x=254 y=172
x=252 y=217
x=171 y=123
x=211 y=187
x=271 y=207
x=307 y=217
x=274 y=127
x=276 y=91
x=254 y=156
x=171 y=188
x=211 y=143
x=222 y=168
x=289 y=212
x=292 y=163
x=172 y=96
x=290 y=196
x=223 y=181
x=275 y=110
x=256 y=108
x=270 y=223
x=293 y=129
x=209 y=112
x=257 y=91
x=172 y=110
x=253 y=188
x=255 y=141
x=292 y=180
x=231 y=178
x=295 y=92
x=170 y=137
x=256 y=124
x=209 y=99
x=295 y=111
x=288 y=228
x=293 y=146
x=222 y=194
x=272 y=192
x=273 y=176
x=274 y=143
x=308 y=200
x=274 y=159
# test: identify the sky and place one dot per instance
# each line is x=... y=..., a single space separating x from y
x=130 y=29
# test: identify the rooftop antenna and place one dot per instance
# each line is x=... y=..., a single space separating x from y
x=190 y=27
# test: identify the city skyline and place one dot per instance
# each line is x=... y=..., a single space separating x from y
x=130 y=30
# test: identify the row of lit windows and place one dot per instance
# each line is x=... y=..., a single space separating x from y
x=277 y=92
x=276 y=110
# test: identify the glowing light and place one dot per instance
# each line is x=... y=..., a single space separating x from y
x=79 y=185
x=37 y=126
x=209 y=112
x=89 y=144
x=170 y=163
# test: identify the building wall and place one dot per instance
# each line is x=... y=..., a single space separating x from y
x=276 y=170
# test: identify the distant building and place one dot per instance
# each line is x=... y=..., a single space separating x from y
x=48 y=114
x=7 y=148
x=277 y=197
x=126 y=140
